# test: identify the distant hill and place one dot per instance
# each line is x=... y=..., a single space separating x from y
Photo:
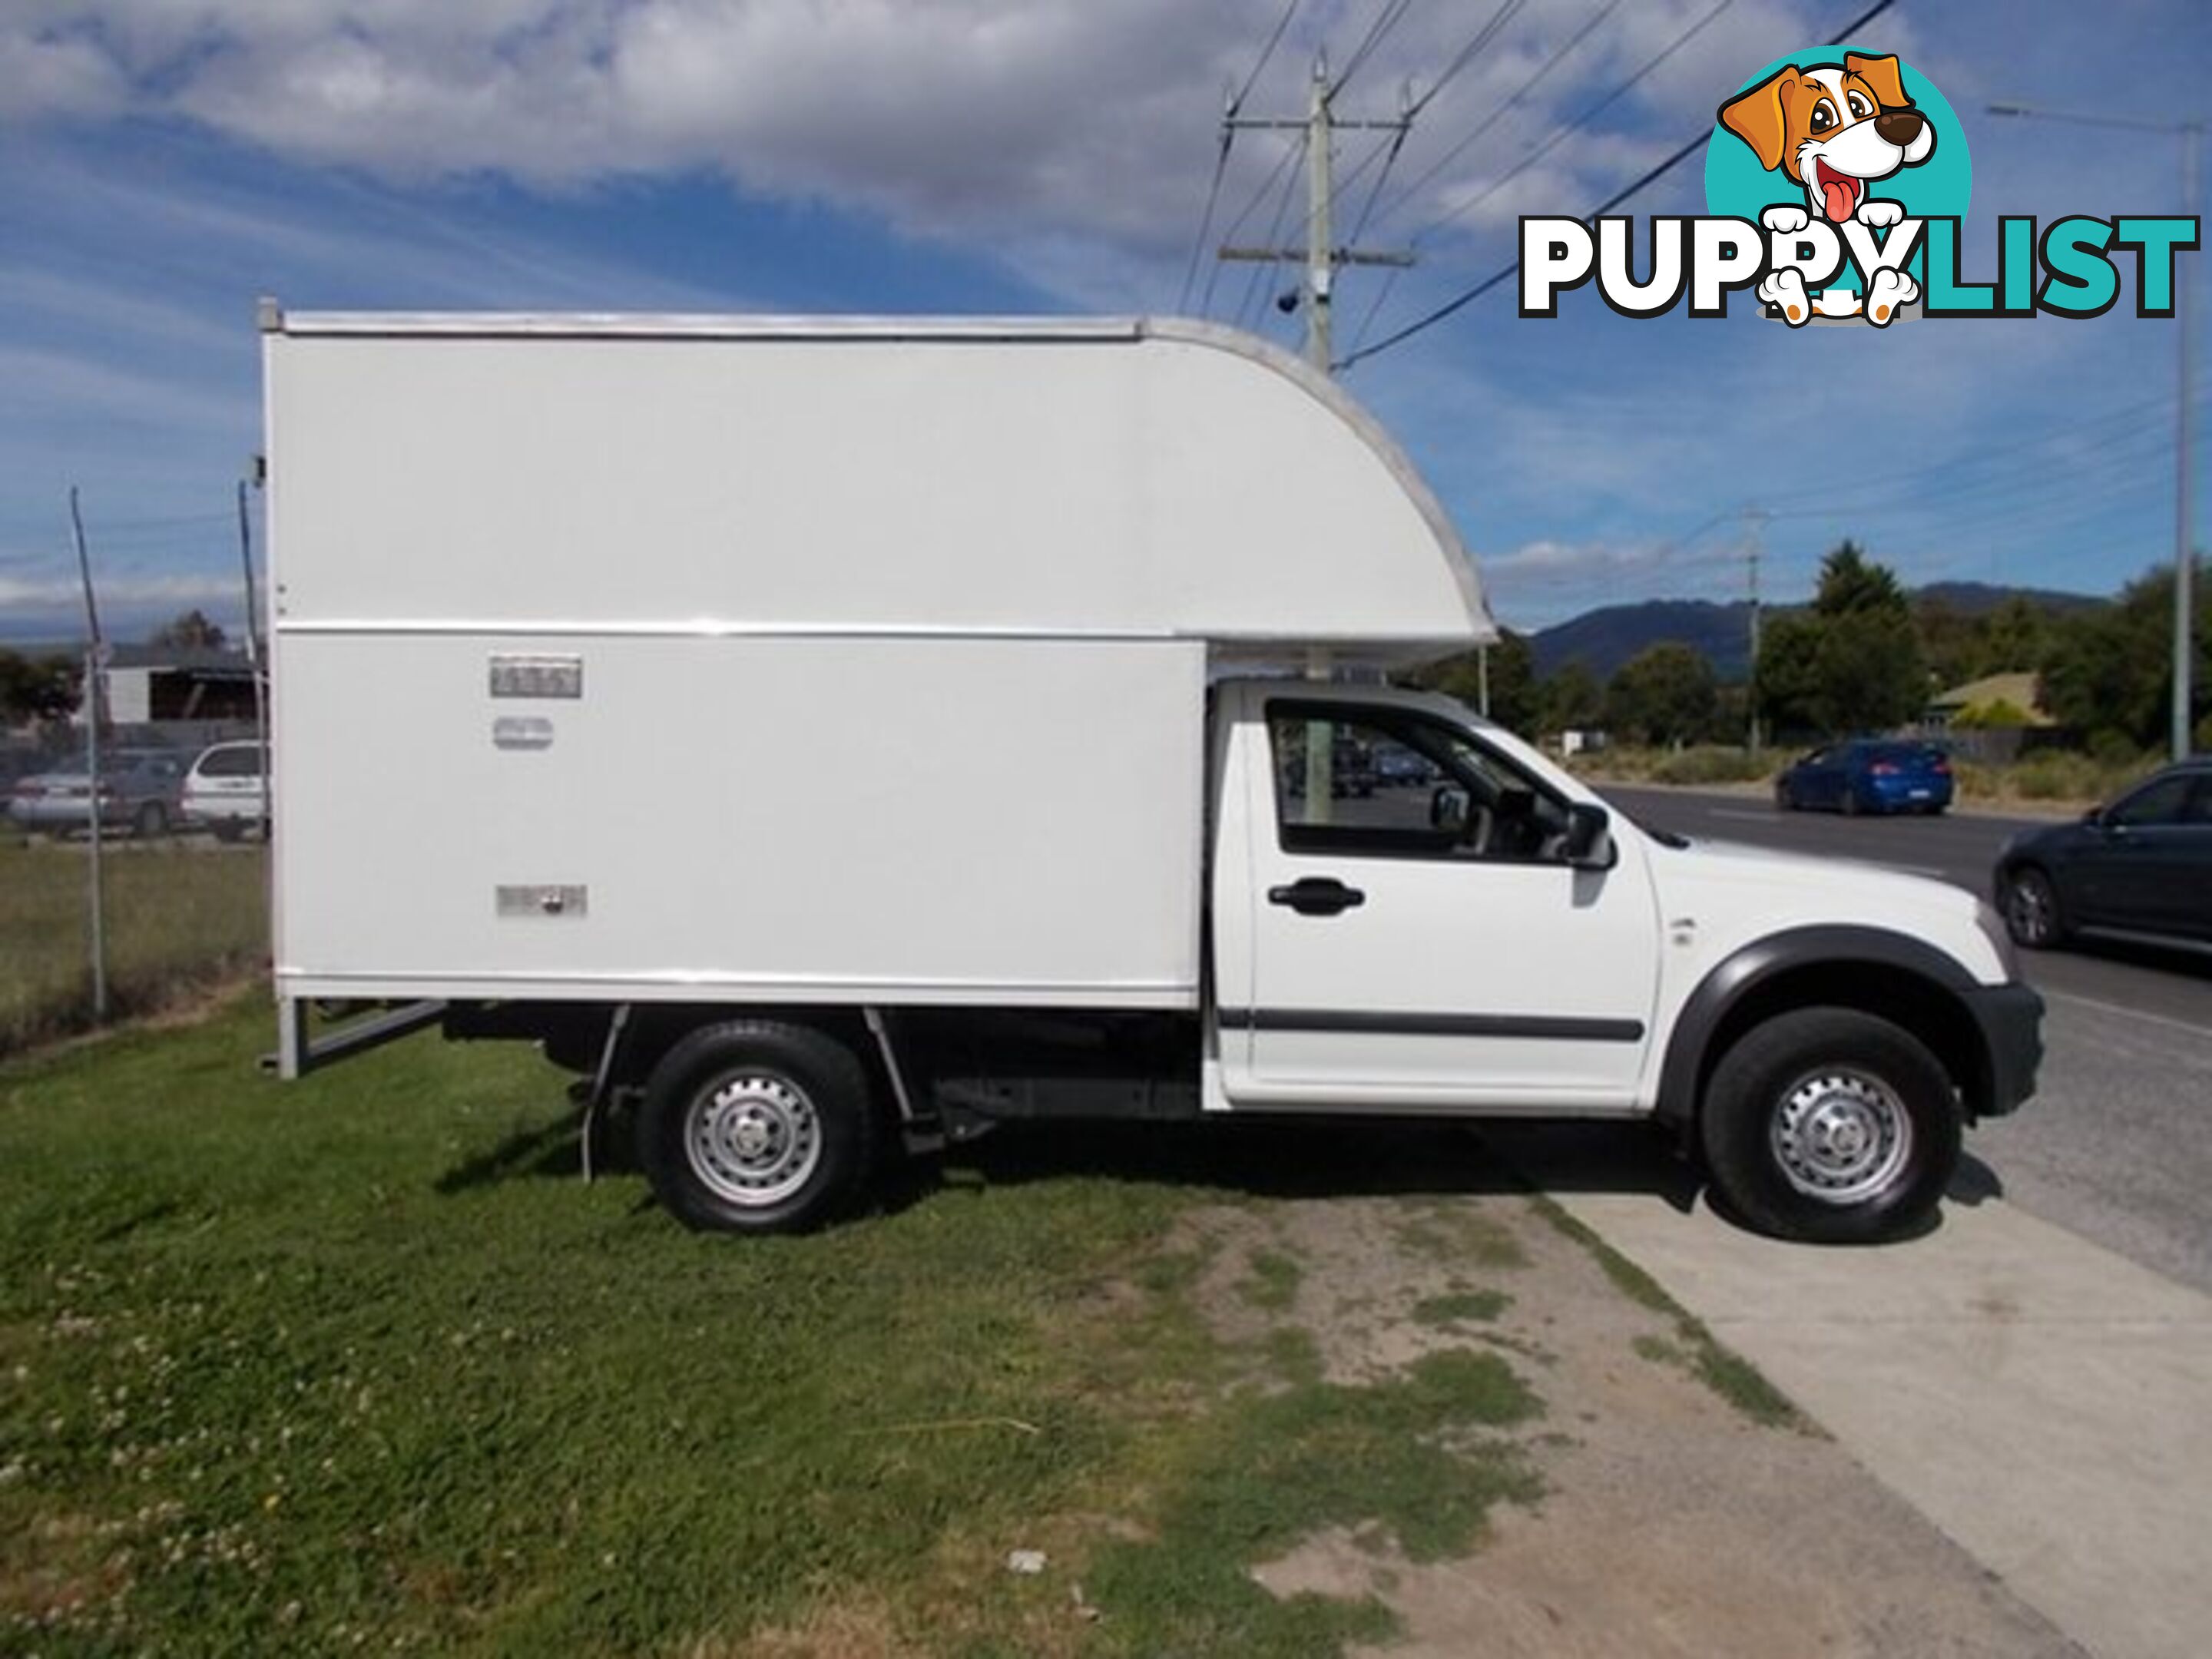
x=1604 y=640
x=1607 y=638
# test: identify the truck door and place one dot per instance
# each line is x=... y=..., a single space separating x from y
x=1405 y=932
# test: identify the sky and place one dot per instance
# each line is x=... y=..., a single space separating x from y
x=165 y=162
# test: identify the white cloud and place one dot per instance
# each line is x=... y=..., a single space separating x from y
x=1034 y=117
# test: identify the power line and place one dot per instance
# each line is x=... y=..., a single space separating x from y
x=1221 y=159
x=1266 y=52
x=1290 y=154
x=1256 y=285
x=1468 y=53
x=1467 y=298
x=1385 y=21
x=1558 y=134
x=1559 y=55
x=1567 y=129
x=1206 y=220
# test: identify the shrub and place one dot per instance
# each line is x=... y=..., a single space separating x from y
x=1710 y=763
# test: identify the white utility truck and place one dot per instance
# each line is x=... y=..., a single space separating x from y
x=818 y=733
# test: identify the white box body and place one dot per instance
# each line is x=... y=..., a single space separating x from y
x=729 y=660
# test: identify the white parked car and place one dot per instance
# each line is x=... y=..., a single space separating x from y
x=227 y=792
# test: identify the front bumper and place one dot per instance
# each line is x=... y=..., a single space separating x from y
x=2010 y=1020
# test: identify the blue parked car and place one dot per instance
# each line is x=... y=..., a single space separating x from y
x=1868 y=774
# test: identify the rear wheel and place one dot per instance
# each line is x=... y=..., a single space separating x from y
x=1784 y=800
x=227 y=828
x=756 y=1125
x=2030 y=903
x=1830 y=1126
x=152 y=819
x=1850 y=801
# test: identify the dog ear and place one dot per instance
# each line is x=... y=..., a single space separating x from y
x=1756 y=116
x=1881 y=74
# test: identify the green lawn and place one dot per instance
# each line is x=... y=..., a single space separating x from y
x=178 y=915
x=358 y=1364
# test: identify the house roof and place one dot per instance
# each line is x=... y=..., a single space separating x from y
x=2018 y=689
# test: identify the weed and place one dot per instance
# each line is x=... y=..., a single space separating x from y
x=1694 y=1349
x=1272 y=1283
x=1461 y=1307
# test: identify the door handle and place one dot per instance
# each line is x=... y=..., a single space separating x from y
x=1317 y=896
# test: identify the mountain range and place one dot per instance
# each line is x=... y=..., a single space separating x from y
x=1607 y=638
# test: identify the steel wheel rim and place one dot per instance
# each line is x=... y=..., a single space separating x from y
x=753 y=1138
x=2028 y=908
x=1841 y=1137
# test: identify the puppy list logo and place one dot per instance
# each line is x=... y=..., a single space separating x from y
x=1838 y=181
x=1833 y=135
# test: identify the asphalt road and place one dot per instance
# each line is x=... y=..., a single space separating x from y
x=2117 y=1145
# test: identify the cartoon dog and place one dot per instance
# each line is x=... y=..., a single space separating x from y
x=1834 y=131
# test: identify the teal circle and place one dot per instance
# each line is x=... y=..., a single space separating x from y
x=1939 y=187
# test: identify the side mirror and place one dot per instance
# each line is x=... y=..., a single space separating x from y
x=1589 y=837
x=1447 y=809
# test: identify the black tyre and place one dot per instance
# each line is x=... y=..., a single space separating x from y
x=152 y=819
x=1784 y=800
x=1850 y=804
x=756 y=1125
x=2032 y=914
x=1830 y=1126
x=227 y=829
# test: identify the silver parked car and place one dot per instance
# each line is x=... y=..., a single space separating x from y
x=226 y=791
x=139 y=791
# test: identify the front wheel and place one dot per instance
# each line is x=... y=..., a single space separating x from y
x=1830 y=1126
x=2030 y=909
x=152 y=819
x=756 y=1125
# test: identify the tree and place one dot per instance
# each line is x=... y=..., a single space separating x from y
x=1853 y=662
x=1789 y=674
x=2016 y=636
x=1512 y=680
x=1851 y=585
x=1570 y=699
x=192 y=631
x=44 y=689
x=1664 y=694
x=2112 y=669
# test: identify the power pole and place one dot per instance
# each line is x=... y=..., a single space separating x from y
x=95 y=670
x=1754 y=522
x=1319 y=256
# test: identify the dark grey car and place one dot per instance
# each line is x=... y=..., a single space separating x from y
x=138 y=792
x=2139 y=867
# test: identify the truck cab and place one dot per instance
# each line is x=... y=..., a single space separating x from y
x=1489 y=938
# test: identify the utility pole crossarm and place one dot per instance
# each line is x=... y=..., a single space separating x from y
x=1321 y=255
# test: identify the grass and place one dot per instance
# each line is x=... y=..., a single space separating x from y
x=1693 y=1347
x=1461 y=1308
x=178 y=918
x=357 y=1363
x=1272 y=1283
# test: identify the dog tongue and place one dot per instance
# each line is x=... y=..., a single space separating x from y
x=1840 y=193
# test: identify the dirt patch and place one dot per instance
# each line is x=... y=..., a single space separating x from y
x=1673 y=1521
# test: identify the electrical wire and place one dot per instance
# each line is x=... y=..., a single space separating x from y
x=1467 y=54
x=1256 y=286
x=1221 y=161
x=1206 y=220
x=1558 y=136
x=1266 y=52
x=1463 y=300
x=1567 y=129
x=1385 y=21
x=1560 y=55
x=1291 y=152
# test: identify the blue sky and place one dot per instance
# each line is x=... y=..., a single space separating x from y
x=167 y=160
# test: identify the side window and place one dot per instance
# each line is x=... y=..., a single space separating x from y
x=2156 y=803
x=1390 y=783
